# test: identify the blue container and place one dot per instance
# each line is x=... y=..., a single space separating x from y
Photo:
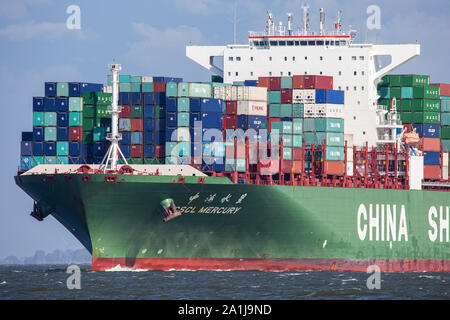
x=62 y=119
x=170 y=79
x=193 y=117
x=62 y=104
x=251 y=122
x=136 y=138
x=171 y=134
x=159 y=137
x=62 y=134
x=428 y=130
x=171 y=119
x=171 y=104
x=208 y=105
x=250 y=83
x=38 y=133
x=74 y=89
x=38 y=149
x=160 y=124
x=212 y=120
x=149 y=111
x=124 y=98
x=154 y=98
x=75 y=160
x=49 y=148
x=26 y=163
x=38 y=104
x=27 y=136
x=149 y=125
x=90 y=87
x=126 y=137
x=196 y=149
x=126 y=150
x=75 y=149
x=195 y=103
x=50 y=104
x=213 y=164
x=124 y=124
x=50 y=89
x=158 y=79
x=26 y=148
x=196 y=134
x=431 y=158
x=136 y=98
x=329 y=96
x=149 y=151
x=149 y=137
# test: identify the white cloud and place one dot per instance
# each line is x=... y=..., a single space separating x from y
x=42 y=30
x=17 y=9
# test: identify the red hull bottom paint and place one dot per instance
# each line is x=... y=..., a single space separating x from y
x=234 y=264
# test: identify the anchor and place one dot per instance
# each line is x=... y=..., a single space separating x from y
x=170 y=210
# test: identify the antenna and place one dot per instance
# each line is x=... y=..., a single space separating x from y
x=305 y=19
x=111 y=157
x=235 y=22
x=289 y=26
x=338 y=26
x=322 y=20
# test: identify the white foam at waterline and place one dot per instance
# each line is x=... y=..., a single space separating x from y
x=119 y=268
x=4 y=282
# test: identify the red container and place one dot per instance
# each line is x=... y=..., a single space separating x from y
x=286 y=96
x=231 y=107
x=430 y=144
x=296 y=166
x=297 y=154
x=275 y=83
x=336 y=168
x=445 y=88
x=298 y=82
x=409 y=127
x=264 y=82
x=287 y=166
x=159 y=87
x=229 y=122
x=160 y=151
x=273 y=120
x=75 y=133
x=137 y=125
x=126 y=112
x=319 y=82
x=432 y=172
x=137 y=151
x=231 y=153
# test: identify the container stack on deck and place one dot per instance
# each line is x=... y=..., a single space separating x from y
x=419 y=106
x=57 y=136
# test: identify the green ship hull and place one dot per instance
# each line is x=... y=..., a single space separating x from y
x=230 y=226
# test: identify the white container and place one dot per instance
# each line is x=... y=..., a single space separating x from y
x=252 y=108
x=219 y=93
x=350 y=168
x=147 y=79
x=257 y=94
x=445 y=173
x=303 y=96
x=328 y=110
x=242 y=93
x=445 y=159
x=309 y=110
x=107 y=89
x=183 y=134
x=349 y=139
x=228 y=93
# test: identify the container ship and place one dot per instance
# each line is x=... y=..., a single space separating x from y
x=304 y=152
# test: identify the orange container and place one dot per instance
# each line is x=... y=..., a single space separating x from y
x=336 y=168
x=297 y=166
x=430 y=144
x=264 y=82
x=298 y=82
x=432 y=172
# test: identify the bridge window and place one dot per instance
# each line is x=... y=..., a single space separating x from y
x=270 y=73
x=293 y=58
x=319 y=43
x=285 y=58
x=251 y=73
x=230 y=58
x=290 y=43
x=251 y=58
x=321 y=72
x=355 y=73
x=297 y=43
x=311 y=43
x=354 y=88
x=362 y=73
x=270 y=58
x=237 y=74
x=238 y=58
x=361 y=58
x=289 y=73
x=321 y=58
x=256 y=43
x=274 y=43
x=362 y=88
x=303 y=43
x=343 y=43
x=354 y=58
x=340 y=58
x=340 y=73
x=282 y=43
x=336 y=43
x=306 y=58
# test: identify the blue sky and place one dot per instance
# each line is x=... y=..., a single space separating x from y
x=149 y=38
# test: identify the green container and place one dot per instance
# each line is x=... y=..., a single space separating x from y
x=286 y=127
x=99 y=134
x=392 y=80
x=239 y=83
x=125 y=87
x=445 y=145
x=286 y=82
x=426 y=92
x=50 y=134
x=137 y=111
x=274 y=97
x=329 y=125
x=62 y=89
x=287 y=140
x=183 y=119
x=427 y=117
x=200 y=90
x=62 y=160
x=136 y=161
x=406 y=117
x=109 y=80
x=76 y=104
x=445 y=119
x=407 y=93
x=297 y=141
x=62 y=148
x=89 y=111
x=275 y=110
x=384 y=102
x=445 y=105
x=154 y=160
x=309 y=124
x=297 y=126
x=384 y=92
x=124 y=78
x=136 y=79
x=88 y=124
x=310 y=138
x=75 y=119
x=171 y=89
x=102 y=112
x=50 y=119
x=333 y=139
x=406 y=105
x=160 y=112
x=183 y=89
x=413 y=80
x=50 y=160
x=395 y=92
x=425 y=105
x=147 y=87
x=297 y=110
x=286 y=110
x=277 y=125
x=287 y=153
x=37 y=160
x=135 y=87
x=88 y=137
x=183 y=105
x=335 y=154
x=445 y=133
